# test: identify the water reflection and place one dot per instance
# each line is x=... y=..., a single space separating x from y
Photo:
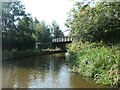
x=47 y=71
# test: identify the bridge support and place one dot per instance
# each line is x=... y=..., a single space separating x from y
x=58 y=45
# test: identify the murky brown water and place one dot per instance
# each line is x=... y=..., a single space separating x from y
x=0 y=76
x=46 y=71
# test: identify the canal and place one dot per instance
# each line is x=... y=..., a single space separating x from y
x=46 y=71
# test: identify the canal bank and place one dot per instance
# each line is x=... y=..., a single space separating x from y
x=7 y=55
x=97 y=61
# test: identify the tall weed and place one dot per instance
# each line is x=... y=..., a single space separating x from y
x=95 y=60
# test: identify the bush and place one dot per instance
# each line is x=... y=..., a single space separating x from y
x=95 y=60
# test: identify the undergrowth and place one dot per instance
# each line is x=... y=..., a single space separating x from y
x=95 y=60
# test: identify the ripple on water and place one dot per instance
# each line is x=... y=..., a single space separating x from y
x=48 y=71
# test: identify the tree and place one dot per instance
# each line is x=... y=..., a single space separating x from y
x=26 y=38
x=57 y=33
x=92 y=24
x=11 y=14
x=18 y=27
x=42 y=32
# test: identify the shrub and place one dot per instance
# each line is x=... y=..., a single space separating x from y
x=95 y=60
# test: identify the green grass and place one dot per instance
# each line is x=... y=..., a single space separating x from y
x=95 y=60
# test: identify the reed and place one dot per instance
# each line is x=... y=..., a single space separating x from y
x=95 y=60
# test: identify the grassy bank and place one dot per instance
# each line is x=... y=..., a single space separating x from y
x=19 y=54
x=95 y=60
x=14 y=54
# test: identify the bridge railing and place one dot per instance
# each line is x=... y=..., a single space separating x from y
x=62 y=39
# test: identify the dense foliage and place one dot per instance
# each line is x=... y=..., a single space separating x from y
x=21 y=32
x=95 y=49
x=55 y=29
x=95 y=60
x=101 y=22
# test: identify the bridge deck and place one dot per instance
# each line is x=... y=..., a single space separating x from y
x=62 y=40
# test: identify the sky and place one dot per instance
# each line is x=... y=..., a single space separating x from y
x=49 y=10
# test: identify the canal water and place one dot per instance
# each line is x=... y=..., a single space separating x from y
x=46 y=71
